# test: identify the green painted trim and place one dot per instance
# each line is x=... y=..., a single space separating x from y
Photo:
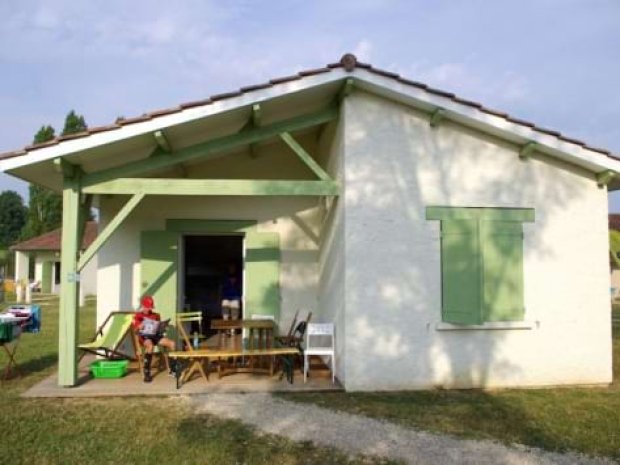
x=162 y=141
x=46 y=276
x=305 y=156
x=523 y=215
x=234 y=187
x=210 y=226
x=527 y=150
x=437 y=117
x=256 y=115
x=346 y=89
x=68 y=170
x=210 y=148
x=112 y=226
x=604 y=178
x=69 y=287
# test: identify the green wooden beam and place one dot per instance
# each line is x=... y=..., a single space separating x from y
x=211 y=147
x=112 y=226
x=304 y=156
x=346 y=89
x=524 y=215
x=162 y=141
x=603 y=178
x=199 y=187
x=256 y=115
x=69 y=285
x=68 y=170
x=437 y=117
x=527 y=150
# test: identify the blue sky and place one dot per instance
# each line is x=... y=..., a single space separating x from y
x=555 y=62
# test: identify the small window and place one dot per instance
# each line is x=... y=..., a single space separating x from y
x=481 y=263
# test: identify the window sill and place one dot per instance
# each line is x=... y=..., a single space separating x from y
x=441 y=326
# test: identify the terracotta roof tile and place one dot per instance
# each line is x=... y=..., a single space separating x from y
x=614 y=221
x=135 y=119
x=265 y=85
x=76 y=135
x=163 y=112
x=226 y=95
x=349 y=63
x=52 y=239
x=282 y=80
x=312 y=72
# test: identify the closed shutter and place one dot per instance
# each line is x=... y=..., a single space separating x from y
x=158 y=268
x=461 y=273
x=262 y=274
x=502 y=257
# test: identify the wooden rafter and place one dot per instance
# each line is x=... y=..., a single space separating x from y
x=211 y=148
x=304 y=156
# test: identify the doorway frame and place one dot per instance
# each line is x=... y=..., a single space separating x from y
x=181 y=265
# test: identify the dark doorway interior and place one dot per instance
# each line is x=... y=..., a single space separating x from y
x=208 y=259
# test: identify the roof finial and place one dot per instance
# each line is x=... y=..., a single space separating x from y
x=348 y=61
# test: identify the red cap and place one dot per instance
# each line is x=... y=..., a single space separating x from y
x=147 y=302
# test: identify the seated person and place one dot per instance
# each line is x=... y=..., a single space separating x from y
x=231 y=295
x=147 y=323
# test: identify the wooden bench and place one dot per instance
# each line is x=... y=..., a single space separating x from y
x=207 y=355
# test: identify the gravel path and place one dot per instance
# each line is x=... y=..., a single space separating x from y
x=355 y=434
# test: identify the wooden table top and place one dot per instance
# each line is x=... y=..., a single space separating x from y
x=237 y=324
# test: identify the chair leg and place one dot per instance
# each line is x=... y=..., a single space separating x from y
x=305 y=366
x=333 y=357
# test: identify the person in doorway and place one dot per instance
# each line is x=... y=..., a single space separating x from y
x=150 y=330
x=231 y=295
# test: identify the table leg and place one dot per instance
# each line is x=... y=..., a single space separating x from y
x=11 y=363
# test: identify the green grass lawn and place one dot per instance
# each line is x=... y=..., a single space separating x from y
x=579 y=419
x=125 y=430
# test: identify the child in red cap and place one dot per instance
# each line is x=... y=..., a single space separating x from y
x=146 y=322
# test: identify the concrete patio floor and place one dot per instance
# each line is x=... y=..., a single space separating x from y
x=165 y=385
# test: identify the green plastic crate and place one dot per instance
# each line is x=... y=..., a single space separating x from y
x=109 y=368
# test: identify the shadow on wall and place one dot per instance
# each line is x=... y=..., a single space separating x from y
x=387 y=193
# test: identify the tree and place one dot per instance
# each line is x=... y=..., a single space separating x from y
x=45 y=206
x=44 y=134
x=74 y=123
x=12 y=217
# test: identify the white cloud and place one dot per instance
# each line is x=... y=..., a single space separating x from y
x=363 y=50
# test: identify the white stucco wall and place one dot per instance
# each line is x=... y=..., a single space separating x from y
x=396 y=166
x=88 y=276
x=331 y=308
x=297 y=220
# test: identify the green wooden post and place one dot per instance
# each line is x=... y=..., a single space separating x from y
x=68 y=318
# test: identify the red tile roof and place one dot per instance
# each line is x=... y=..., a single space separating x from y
x=52 y=239
x=614 y=221
x=349 y=63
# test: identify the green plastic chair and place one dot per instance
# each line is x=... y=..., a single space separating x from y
x=110 y=336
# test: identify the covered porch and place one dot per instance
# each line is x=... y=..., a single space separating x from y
x=265 y=171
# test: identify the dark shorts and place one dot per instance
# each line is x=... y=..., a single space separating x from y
x=154 y=339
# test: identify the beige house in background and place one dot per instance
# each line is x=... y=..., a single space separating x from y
x=44 y=251
x=437 y=234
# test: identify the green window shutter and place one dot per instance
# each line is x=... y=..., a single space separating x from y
x=460 y=272
x=262 y=274
x=46 y=277
x=502 y=258
x=158 y=268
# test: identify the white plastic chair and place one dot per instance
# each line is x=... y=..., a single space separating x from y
x=320 y=330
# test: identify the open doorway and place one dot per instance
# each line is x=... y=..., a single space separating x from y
x=207 y=260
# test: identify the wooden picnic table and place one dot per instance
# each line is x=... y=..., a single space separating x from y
x=206 y=355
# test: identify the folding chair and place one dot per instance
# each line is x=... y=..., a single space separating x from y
x=321 y=330
x=182 y=319
x=110 y=336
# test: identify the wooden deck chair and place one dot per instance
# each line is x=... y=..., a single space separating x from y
x=191 y=318
x=109 y=337
x=157 y=351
